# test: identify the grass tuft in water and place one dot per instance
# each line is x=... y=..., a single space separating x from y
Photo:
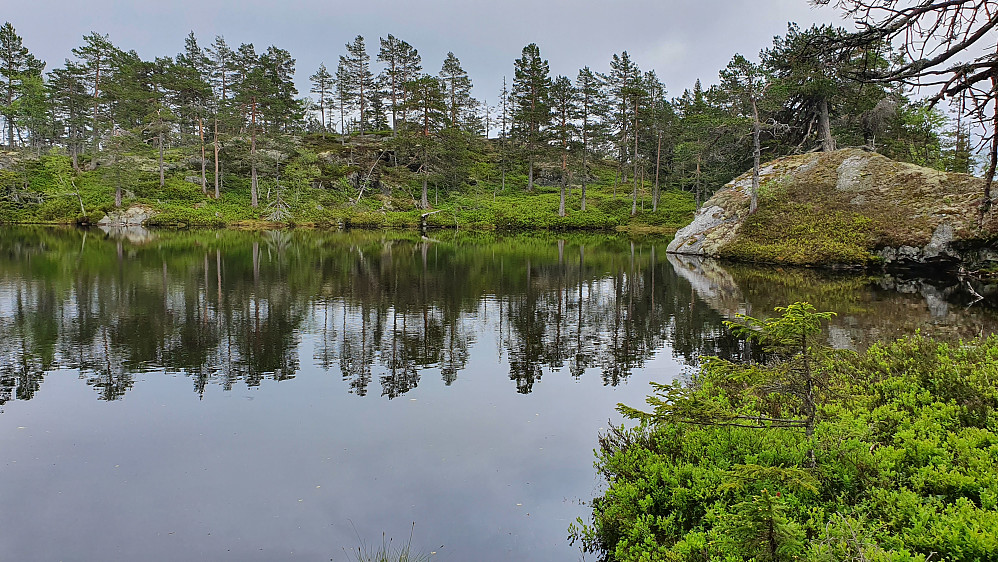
x=387 y=552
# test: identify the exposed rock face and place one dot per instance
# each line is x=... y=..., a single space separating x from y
x=136 y=215
x=905 y=214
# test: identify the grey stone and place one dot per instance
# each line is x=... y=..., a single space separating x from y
x=689 y=239
x=851 y=176
x=909 y=253
x=939 y=244
x=136 y=215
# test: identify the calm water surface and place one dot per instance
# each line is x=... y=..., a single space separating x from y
x=293 y=395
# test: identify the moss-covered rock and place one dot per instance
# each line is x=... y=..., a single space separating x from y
x=848 y=207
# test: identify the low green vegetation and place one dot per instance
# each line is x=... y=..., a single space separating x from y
x=806 y=454
x=797 y=225
x=318 y=191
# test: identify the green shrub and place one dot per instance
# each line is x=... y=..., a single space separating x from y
x=905 y=466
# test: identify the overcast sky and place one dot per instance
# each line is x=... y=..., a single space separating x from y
x=682 y=40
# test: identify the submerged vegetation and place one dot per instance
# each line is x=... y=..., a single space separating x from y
x=890 y=454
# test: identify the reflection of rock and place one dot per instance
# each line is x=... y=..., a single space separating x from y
x=712 y=283
x=136 y=215
x=868 y=309
x=134 y=234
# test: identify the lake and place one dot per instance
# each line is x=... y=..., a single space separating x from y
x=231 y=395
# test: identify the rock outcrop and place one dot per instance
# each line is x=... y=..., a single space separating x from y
x=136 y=215
x=849 y=207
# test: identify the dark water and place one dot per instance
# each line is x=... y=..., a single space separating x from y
x=292 y=395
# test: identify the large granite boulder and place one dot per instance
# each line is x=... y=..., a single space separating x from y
x=850 y=207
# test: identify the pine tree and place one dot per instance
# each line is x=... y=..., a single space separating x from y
x=342 y=83
x=746 y=82
x=97 y=56
x=662 y=117
x=810 y=80
x=592 y=112
x=322 y=82
x=503 y=134
x=531 y=104
x=457 y=88
x=624 y=75
x=252 y=92
x=425 y=98
x=403 y=65
x=68 y=95
x=564 y=105
x=281 y=107
x=221 y=57
x=359 y=81
x=189 y=82
x=18 y=67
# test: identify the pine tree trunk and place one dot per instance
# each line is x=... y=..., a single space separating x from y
x=564 y=171
x=425 y=202
x=74 y=149
x=825 y=127
x=93 y=148
x=756 y=150
x=217 y=178
x=10 y=102
x=698 y=182
x=658 y=166
x=117 y=181
x=530 y=175
x=634 y=196
x=162 y=176
x=254 y=194
x=362 y=100
x=204 y=177
x=561 y=204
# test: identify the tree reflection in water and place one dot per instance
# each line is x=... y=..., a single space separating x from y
x=236 y=307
